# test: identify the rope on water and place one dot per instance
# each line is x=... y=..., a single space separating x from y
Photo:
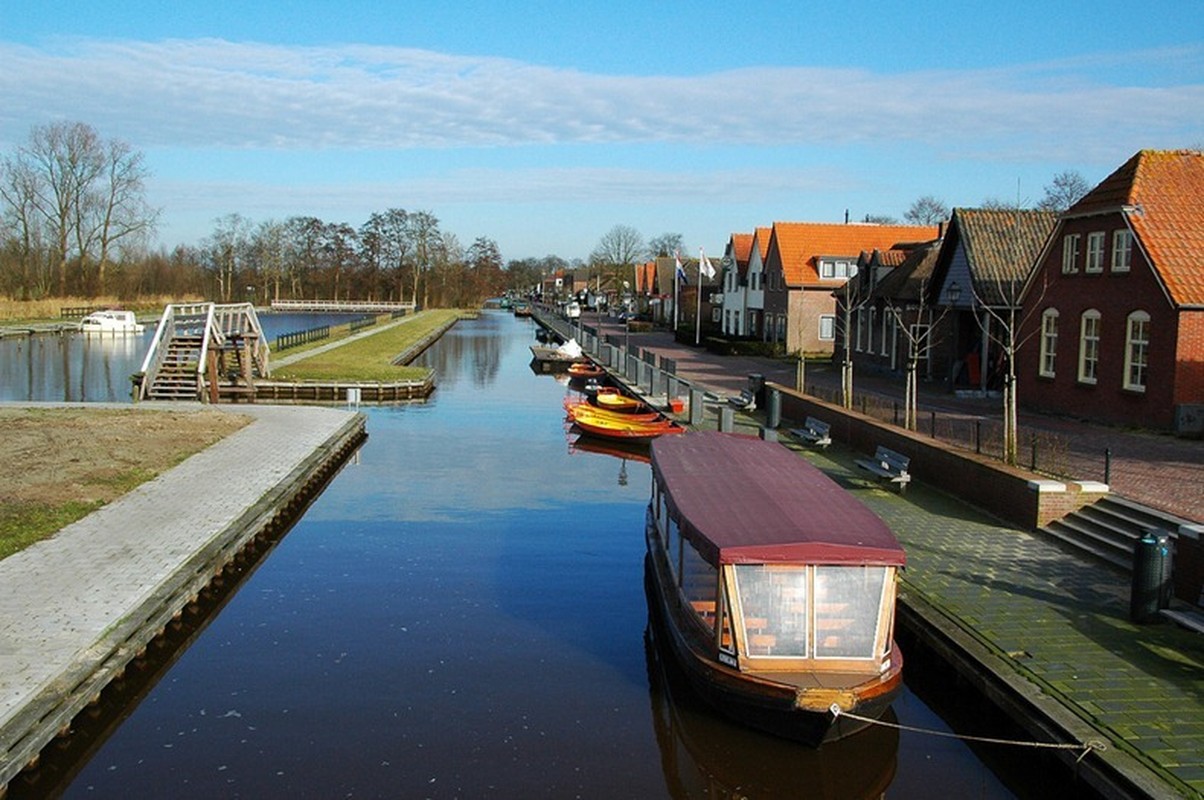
x=1086 y=747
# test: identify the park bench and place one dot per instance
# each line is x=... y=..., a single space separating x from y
x=814 y=431
x=888 y=465
x=745 y=401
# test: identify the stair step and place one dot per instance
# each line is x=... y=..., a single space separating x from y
x=1100 y=550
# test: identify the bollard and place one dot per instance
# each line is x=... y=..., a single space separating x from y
x=769 y=434
x=697 y=409
x=773 y=411
x=727 y=419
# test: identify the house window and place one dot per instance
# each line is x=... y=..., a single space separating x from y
x=887 y=327
x=1137 y=346
x=1122 y=250
x=835 y=269
x=1049 y=342
x=827 y=328
x=1089 y=346
x=780 y=334
x=859 y=344
x=1070 y=253
x=1095 y=251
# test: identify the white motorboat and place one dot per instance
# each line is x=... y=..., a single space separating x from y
x=111 y=321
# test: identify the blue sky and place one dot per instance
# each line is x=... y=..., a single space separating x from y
x=542 y=125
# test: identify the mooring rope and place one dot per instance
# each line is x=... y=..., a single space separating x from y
x=1086 y=747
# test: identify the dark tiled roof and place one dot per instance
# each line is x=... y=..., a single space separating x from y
x=1001 y=246
x=904 y=283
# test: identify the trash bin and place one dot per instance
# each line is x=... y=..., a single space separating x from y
x=1151 y=588
x=756 y=385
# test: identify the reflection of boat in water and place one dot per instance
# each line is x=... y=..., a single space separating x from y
x=777 y=588
x=627 y=451
x=112 y=321
x=705 y=755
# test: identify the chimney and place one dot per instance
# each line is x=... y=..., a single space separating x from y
x=846 y=216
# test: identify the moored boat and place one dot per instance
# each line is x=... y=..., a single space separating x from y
x=583 y=370
x=111 y=321
x=571 y=407
x=612 y=399
x=620 y=426
x=776 y=587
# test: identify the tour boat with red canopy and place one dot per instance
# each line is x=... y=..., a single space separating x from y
x=776 y=587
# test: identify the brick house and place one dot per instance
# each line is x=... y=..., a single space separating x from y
x=979 y=275
x=1115 y=304
x=805 y=262
x=887 y=304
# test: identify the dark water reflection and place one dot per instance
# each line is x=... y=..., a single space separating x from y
x=462 y=614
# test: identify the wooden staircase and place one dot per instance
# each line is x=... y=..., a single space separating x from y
x=204 y=351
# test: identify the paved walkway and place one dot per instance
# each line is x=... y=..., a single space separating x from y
x=70 y=603
x=1153 y=469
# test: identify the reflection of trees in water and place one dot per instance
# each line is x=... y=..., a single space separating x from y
x=470 y=346
x=69 y=367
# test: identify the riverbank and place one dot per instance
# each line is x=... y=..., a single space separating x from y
x=81 y=606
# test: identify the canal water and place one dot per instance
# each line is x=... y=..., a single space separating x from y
x=461 y=614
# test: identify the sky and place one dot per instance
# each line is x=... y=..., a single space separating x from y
x=542 y=125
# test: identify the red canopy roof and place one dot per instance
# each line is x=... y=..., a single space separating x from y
x=743 y=500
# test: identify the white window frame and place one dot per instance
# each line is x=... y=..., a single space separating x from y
x=1122 y=250
x=859 y=339
x=1089 y=337
x=1095 y=252
x=827 y=321
x=1137 y=351
x=1049 y=343
x=1070 y=253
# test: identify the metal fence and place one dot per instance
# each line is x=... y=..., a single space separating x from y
x=1039 y=451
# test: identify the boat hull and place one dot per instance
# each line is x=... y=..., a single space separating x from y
x=768 y=706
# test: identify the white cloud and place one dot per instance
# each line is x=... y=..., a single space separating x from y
x=220 y=94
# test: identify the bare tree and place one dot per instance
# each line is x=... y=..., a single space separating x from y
x=665 y=245
x=927 y=210
x=1066 y=189
x=618 y=249
x=917 y=325
x=225 y=252
x=425 y=240
x=87 y=195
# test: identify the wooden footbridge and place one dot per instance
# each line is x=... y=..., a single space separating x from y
x=203 y=351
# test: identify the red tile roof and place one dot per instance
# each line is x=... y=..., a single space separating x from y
x=741 y=249
x=801 y=244
x=1162 y=193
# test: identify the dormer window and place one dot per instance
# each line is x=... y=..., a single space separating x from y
x=831 y=268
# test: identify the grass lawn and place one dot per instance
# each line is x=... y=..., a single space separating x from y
x=369 y=358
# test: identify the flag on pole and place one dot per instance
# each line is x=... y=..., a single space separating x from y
x=704 y=265
x=681 y=271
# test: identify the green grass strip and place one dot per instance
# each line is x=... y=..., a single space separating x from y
x=370 y=358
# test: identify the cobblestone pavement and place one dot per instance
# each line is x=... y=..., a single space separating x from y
x=1154 y=469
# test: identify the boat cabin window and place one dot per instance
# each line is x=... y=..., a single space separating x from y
x=798 y=611
x=673 y=547
x=847 y=602
x=699 y=584
x=773 y=605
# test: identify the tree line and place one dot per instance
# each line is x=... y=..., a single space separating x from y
x=76 y=222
